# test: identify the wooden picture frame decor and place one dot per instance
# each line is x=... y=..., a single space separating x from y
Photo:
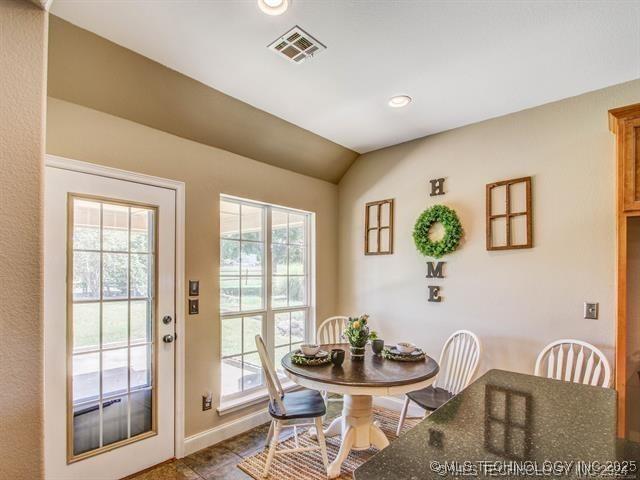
x=378 y=229
x=509 y=214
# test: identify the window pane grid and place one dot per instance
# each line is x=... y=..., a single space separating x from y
x=103 y=292
x=250 y=234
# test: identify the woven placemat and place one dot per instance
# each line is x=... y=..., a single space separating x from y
x=308 y=465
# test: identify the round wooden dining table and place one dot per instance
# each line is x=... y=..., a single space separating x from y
x=359 y=381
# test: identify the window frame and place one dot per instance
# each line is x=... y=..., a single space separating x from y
x=268 y=312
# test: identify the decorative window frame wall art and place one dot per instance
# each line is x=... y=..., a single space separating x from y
x=509 y=217
x=378 y=229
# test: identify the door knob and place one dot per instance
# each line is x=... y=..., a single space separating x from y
x=167 y=319
x=168 y=338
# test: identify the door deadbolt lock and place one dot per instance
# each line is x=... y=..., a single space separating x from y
x=168 y=338
x=167 y=319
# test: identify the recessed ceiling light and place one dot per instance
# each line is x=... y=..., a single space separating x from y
x=399 y=101
x=273 y=7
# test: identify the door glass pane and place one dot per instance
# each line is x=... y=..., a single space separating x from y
x=115 y=275
x=140 y=274
x=141 y=403
x=86 y=229
x=141 y=230
x=115 y=227
x=86 y=332
x=114 y=372
x=86 y=276
x=141 y=327
x=111 y=318
x=114 y=420
x=86 y=376
x=141 y=366
x=86 y=427
x=115 y=324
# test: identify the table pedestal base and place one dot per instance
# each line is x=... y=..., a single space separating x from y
x=357 y=428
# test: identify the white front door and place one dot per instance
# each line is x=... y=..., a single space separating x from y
x=109 y=325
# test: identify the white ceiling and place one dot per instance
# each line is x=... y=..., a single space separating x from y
x=461 y=61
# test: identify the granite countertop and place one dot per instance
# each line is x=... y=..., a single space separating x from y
x=511 y=425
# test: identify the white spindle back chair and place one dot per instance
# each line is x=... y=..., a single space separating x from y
x=574 y=361
x=458 y=363
x=330 y=331
x=276 y=397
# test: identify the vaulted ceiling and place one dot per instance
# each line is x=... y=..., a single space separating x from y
x=460 y=61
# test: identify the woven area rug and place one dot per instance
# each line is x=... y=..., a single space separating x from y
x=308 y=465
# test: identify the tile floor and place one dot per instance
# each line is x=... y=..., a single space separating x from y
x=219 y=461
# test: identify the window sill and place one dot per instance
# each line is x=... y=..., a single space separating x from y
x=253 y=398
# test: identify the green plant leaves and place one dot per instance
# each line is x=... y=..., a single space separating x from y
x=452 y=227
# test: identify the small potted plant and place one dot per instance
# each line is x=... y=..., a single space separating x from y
x=357 y=332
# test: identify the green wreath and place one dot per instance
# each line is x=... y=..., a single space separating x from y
x=452 y=228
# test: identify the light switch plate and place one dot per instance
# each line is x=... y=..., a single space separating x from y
x=194 y=306
x=590 y=311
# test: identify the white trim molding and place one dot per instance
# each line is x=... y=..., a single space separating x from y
x=180 y=298
x=225 y=431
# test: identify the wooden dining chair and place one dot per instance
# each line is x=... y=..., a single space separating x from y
x=330 y=331
x=290 y=410
x=574 y=361
x=458 y=362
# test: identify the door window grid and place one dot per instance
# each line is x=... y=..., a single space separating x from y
x=234 y=363
x=107 y=407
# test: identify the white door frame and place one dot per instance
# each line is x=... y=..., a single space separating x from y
x=179 y=187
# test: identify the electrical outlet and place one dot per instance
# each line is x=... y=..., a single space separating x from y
x=591 y=311
x=207 y=400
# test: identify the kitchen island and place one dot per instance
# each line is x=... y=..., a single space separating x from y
x=511 y=425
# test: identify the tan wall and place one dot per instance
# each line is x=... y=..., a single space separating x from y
x=83 y=134
x=516 y=301
x=89 y=70
x=23 y=45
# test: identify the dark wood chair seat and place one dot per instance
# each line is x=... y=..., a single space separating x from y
x=300 y=404
x=430 y=398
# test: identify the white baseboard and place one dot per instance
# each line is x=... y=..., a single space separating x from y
x=218 y=434
x=396 y=403
x=223 y=432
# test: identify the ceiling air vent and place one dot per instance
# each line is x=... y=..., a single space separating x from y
x=296 y=45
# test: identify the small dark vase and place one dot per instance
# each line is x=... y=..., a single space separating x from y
x=357 y=353
x=337 y=356
x=377 y=345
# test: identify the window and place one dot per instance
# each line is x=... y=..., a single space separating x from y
x=111 y=359
x=265 y=287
